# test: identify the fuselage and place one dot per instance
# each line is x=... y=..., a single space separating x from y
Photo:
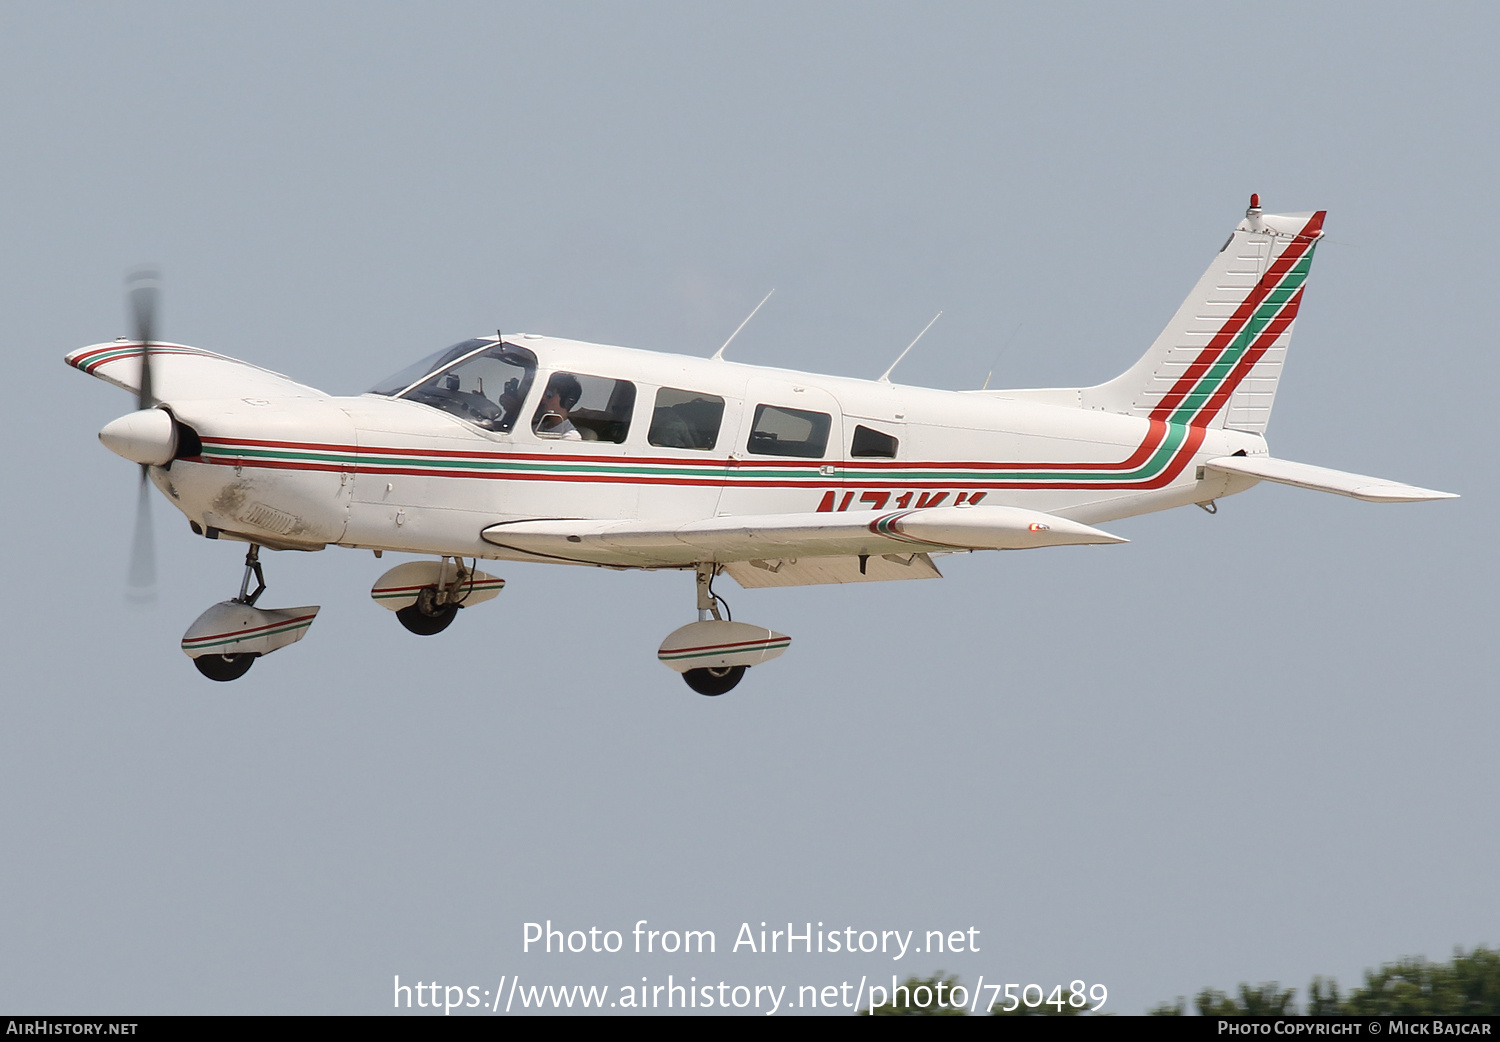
x=668 y=438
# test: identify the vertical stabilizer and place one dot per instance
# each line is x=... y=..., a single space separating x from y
x=1219 y=359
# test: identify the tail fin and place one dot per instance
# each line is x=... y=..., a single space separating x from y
x=1217 y=362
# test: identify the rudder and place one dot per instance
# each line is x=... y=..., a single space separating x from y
x=1218 y=361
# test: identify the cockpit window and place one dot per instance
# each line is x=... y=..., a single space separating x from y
x=481 y=381
x=576 y=407
x=393 y=385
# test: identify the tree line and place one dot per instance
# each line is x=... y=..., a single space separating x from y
x=1467 y=984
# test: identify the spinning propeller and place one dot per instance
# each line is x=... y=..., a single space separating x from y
x=143 y=289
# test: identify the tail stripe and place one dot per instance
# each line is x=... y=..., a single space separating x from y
x=1285 y=275
x=1221 y=375
x=1262 y=344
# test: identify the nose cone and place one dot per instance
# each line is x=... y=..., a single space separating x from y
x=148 y=436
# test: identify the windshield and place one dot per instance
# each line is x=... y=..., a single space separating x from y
x=481 y=381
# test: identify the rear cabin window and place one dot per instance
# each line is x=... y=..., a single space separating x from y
x=575 y=407
x=870 y=443
x=685 y=419
x=789 y=432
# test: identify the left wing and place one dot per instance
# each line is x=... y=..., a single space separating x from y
x=780 y=536
x=179 y=372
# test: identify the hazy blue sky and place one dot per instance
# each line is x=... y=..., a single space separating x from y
x=1253 y=746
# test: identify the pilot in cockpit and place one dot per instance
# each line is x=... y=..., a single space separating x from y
x=561 y=395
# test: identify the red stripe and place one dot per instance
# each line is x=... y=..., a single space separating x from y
x=724 y=647
x=1194 y=436
x=1155 y=434
x=478 y=584
x=241 y=633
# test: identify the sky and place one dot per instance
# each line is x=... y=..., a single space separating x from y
x=1245 y=747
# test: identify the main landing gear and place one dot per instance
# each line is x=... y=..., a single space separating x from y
x=225 y=641
x=429 y=613
x=426 y=595
x=713 y=653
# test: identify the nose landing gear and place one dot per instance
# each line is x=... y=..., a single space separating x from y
x=713 y=653
x=225 y=641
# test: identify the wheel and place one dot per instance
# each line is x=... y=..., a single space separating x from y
x=225 y=667
x=714 y=681
x=427 y=617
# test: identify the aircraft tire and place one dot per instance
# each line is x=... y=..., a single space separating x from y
x=225 y=667
x=714 y=681
x=423 y=624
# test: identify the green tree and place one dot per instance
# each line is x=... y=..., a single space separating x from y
x=1323 y=998
x=1470 y=984
x=1268 y=1000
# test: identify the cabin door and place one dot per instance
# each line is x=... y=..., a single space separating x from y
x=785 y=458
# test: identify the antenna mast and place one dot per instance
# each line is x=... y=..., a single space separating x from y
x=885 y=377
x=719 y=354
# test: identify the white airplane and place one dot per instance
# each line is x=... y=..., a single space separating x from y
x=533 y=448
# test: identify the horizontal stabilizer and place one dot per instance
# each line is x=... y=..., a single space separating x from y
x=660 y=544
x=1321 y=479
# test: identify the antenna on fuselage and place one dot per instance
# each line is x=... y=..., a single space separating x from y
x=719 y=354
x=885 y=377
x=996 y=362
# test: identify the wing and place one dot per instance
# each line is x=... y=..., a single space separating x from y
x=782 y=537
x=179 y=372
x=1321 y=479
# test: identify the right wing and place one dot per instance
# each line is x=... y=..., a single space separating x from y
x=179 y=372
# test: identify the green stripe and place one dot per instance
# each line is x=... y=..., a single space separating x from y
x=624 y=471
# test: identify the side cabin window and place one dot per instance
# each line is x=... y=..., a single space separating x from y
x=575 y=407
x=869 y=443
x=789 y=432
x=685 y=419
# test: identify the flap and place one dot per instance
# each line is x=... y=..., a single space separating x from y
x=1321 y=479
x=179 y=372
x=817 y=571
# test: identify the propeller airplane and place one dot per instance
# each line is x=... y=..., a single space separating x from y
x=533 y=448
